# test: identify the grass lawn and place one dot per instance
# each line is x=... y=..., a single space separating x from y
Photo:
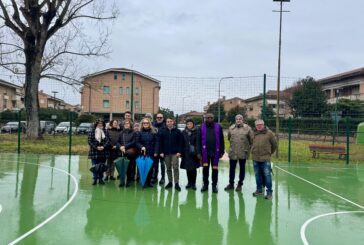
x=59 y=145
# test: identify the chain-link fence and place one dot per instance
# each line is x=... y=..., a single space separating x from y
x=313 y=127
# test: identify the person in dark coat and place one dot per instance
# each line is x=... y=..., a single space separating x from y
x=98 y=140
x=147 y=144
x=170 y=143
x=159 y=124
x=127 y=146
x=212 y=149
x=191 y=152
x=114 y=132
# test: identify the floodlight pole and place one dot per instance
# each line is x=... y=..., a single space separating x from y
x=279 y=71
x=54 y=99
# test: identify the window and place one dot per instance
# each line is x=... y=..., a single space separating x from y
x=106 y=89
x=123 y=76
x=115 y=76
x=121 y=91
x=127 y=104
x=106 y=103
x=137 y=105
x=136 y=91
x=127 y=90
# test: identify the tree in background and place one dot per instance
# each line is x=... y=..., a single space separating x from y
x=349 y=108
x=235 y=111
x=44 y=39
x=213 y=108
x=166 y=112
x=308 y=100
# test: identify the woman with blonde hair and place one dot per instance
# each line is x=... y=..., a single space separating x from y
x=148 y=145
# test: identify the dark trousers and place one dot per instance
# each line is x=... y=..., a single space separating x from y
x=206 y=172
x=156 y=168
x=130 y=172
x=191 y=176
x=98 y=175
x=241 y=171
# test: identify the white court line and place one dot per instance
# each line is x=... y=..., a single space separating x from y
x=56 y=213
x=322 y=167
x=1 y=208
x=304 y=226
x=332 y=193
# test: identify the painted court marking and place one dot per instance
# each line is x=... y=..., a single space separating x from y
x=304 y=226
x=57 y=212
x=1 y=208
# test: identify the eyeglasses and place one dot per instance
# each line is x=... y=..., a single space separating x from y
x=159 y=117
x=145 y=123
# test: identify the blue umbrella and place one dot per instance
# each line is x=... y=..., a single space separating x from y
x=144 y=164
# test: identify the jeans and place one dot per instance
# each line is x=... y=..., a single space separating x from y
x=263 y=175
x=98 y=175
x=241 y=171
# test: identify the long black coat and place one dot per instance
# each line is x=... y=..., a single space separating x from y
x=189 y=160
x=93 y=143
x=148 y=139
x=113 y=135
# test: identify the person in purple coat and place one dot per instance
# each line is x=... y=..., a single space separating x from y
x=212 y=149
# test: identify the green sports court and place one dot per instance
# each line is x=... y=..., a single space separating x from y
x=47 y=199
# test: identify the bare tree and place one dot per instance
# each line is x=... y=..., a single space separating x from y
x=47 y=39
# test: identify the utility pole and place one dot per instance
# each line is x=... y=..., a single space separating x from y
x=54 y=99
x=279 y=70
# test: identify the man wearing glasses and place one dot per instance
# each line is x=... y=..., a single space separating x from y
x=159 y=124
x=213 y=148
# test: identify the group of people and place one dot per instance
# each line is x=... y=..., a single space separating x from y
x=171 y=149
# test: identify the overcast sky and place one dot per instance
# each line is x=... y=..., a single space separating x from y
x=237 y=37
x=216 y=38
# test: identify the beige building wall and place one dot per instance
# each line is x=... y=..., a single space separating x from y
x=10 y=98
x=94 y=97
x=232 y=103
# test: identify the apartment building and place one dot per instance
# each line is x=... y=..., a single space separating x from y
x=228 y=104
x=347 y=85
x=10 y=96
x=254 y=105
x=109 y=93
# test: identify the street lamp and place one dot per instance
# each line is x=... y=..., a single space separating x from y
x=183 y=103
x=279 y=68
x=54 y=99
x=218 y=100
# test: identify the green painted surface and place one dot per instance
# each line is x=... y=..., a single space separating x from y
x=29 y=194
x=360 y=134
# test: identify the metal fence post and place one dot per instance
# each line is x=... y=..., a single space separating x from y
x=347 y=126
x=19 y=130
x=70 y=135
x=289 y=139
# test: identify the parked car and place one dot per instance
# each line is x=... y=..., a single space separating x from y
x=12 y=127
x=84 y=128
x=63 y=127
x=47 y=126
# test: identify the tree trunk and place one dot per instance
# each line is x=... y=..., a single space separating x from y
x=32 y=77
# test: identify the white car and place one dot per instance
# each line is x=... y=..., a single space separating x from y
x=64 y=127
